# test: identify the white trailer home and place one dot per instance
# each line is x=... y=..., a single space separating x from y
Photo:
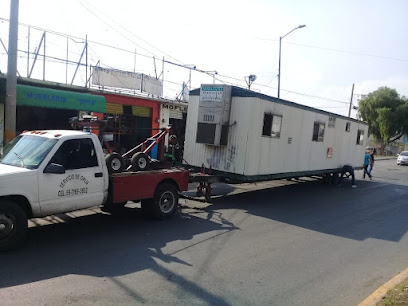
x=249 y=136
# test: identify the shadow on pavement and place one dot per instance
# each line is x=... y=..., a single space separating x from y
x=102 y=245
x=373 y=210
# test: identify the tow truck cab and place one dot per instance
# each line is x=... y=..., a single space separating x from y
x=55 y=171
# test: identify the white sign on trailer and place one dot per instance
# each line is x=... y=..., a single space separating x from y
x=211 y=94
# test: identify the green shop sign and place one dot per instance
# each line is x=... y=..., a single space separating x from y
x=52 y=98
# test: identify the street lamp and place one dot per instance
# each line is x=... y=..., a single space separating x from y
x=280 y=43
x=249 y=80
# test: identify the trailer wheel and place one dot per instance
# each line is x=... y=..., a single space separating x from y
x=13 y=225
x=347 y=171
x=114 y=162
x=140 y=161
x=207 y=195
x=165 y=201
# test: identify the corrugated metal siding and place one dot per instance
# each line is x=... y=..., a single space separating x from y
x=141 y=111
x=222 y=158
x=113 y=108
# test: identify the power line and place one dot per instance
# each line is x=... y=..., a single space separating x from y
x=291 y=91
x=350 y=52
x=172 y=63
x=125 y=29
x=341 y=51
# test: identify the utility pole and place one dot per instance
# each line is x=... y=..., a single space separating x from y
x=11 y=88
x=279 y=73
x=134 y=62
x=351 y=101
x=162 y=78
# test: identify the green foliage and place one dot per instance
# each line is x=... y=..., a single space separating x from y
x=386 y=113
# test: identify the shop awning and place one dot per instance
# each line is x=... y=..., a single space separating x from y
x=53 y=98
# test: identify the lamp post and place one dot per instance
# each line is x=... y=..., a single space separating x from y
x=280 y=47
x=249 y=80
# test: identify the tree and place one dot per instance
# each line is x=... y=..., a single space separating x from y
x=386 y=113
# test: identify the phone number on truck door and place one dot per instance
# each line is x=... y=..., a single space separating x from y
x=72 y=192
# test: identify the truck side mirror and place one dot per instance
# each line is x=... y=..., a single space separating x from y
x=54 y=169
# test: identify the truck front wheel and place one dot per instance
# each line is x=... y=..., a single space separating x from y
x=13 y=225
x=165 y=201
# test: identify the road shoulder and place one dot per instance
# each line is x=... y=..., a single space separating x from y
x=378 y=294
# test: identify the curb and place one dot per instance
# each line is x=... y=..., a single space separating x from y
x=385 y=158
x=378 y=294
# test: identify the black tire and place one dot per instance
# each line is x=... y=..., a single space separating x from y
x=114 y=162
x=207 y=195
x=13 y=225
x=165 y=201
x=346 y=172
x=113 y=208
x=335 y=178
x=140 y=161
x=147 y=208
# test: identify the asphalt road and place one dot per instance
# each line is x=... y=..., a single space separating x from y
x=294 y=243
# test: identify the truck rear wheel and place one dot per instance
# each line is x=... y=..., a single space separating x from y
x=114 y=162
x=13 y=225
x=165 y=201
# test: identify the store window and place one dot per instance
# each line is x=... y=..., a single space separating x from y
x=360 y=137
x=318 y=131
x=272 y=125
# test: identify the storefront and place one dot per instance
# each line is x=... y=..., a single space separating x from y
x=174 y=114
x=134 y=119
x=45 y=108
x=131 y=119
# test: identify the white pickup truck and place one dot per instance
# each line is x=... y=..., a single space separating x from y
x=49 y=172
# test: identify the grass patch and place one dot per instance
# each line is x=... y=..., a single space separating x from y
x=396 y=296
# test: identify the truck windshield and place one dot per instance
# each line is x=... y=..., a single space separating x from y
x=27 y=151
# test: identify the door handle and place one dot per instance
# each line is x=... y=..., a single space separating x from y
x=98 y=174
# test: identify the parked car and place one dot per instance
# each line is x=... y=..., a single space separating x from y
x=402 y=158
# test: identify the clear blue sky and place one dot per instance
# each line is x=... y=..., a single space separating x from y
x=344 y=42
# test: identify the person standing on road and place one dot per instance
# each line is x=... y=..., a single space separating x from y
x=366 y=164
x=371 y=166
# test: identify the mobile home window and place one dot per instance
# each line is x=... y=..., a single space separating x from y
x=360 y=137
x=267 y=125
x=348 y=127
x=272 y=125
x=318 y=131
